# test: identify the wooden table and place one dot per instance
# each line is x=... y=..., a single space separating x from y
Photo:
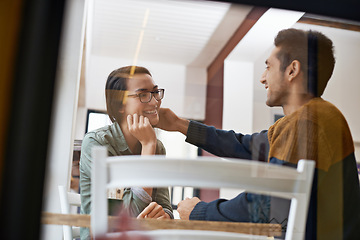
x=152 y=224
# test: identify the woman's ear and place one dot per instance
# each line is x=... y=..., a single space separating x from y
x=293 y=70
x=121 y=109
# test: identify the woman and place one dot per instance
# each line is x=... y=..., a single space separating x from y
x=132 y=101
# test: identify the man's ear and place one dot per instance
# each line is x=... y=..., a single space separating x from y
x=293 y=70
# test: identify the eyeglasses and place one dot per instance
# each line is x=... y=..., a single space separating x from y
x=145 y=97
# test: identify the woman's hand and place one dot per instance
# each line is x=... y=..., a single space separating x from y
x=154 y=210
x=140 y=127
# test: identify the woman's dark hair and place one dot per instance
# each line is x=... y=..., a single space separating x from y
x=116 y=89
x=313 y=50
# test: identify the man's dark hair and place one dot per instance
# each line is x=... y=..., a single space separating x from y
x=313 y=50
x=116 y=89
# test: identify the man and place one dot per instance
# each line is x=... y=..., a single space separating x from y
x=296 y=75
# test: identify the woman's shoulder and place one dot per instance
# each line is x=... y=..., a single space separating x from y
x=98 y=136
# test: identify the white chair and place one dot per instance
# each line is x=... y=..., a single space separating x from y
x=204 y=172
x=68 y=200
x=187 y=235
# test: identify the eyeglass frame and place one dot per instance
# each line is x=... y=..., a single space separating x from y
x=152 y=95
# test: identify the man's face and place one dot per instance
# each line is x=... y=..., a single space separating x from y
x=274 y=80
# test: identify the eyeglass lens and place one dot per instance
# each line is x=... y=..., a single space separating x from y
x=146 y=96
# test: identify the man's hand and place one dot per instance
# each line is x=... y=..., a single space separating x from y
x=186 y=206
x=153 y=210
x=169 y=121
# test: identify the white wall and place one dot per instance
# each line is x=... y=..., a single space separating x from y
x=195 y=93
x=238 y=96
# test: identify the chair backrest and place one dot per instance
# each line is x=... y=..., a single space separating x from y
x=67 y=200
x=204 y=172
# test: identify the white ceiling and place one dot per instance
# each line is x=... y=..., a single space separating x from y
x=172 y=31
x=186 y=32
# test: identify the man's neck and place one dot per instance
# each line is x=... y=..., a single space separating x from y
x=295 y=102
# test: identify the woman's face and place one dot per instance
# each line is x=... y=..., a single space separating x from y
x=140 y=83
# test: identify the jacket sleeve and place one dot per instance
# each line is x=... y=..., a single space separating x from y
x=162 y=198
x=234 y=210
x=224 y=143
x=246 y=207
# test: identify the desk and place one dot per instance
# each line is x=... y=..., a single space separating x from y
x=153 y=224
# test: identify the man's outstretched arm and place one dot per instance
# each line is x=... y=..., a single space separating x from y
x=234 y=210
x=216 y=141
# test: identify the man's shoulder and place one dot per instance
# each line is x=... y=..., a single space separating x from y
x=323 y=106
x=321 y=111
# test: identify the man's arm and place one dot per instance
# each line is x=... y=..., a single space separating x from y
x=224 y=143
x=218 y=142
x=234 y=210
